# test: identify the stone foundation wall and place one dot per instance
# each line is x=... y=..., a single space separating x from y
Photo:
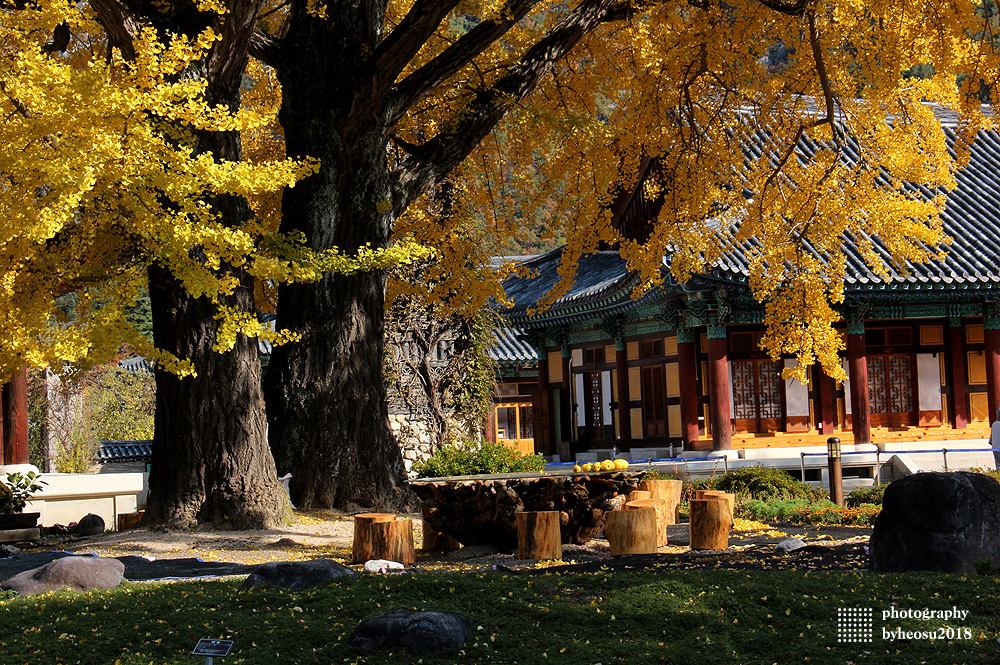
x=415 y=440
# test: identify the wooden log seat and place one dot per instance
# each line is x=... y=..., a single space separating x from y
x=631 y=531
x=669 y=491
x=382 y=536
x=538 y=535
x=731 y=498
x=659 y=506
x=711 y=521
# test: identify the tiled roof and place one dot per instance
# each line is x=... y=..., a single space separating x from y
x=124 y=451
x=971 y=218
x=508 y=348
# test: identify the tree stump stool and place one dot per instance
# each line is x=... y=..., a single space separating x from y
x=731 y=498
x=382 y=536
x=631 y=531
x=660 y=507
x=538 y=535
x=434 y=540
x=669 y=491
x=638 y=495
x=710 y=523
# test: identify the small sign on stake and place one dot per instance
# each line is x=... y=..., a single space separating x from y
x=212 y=649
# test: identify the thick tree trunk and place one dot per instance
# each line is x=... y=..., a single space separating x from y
x=210 y=457
x=326 y=397
x=211 y=462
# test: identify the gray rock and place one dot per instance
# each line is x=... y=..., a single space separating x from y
x=77 y=573
x=937 y=521
x=421 y=633
x=789 y=545
x=382 y=566
x=8 y=550
x=90 y=525
x=299 y=574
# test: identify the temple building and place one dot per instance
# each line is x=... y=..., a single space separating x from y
x=682 y=367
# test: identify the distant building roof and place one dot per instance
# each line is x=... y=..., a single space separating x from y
x=971 y=218
x=124 y=451
x=509 y=348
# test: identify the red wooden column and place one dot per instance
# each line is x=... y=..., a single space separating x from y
x=544 y=440
x=991 y=332
x=15 y=417
x=718 y=388
x=956 y=343
x=857 y=365
x=624 y=412
x=827 y=406
x=565 y=401
x=687 y=369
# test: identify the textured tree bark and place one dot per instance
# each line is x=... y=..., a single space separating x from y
x=538 y=535
x=393 y=541
x=326 y=395
x=210 y=458
x=362 y=548
x=631 y=531
x=211 y=462
x=711 y=520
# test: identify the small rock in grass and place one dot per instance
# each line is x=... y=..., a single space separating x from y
x=789 y=545
x=298 y=574
x=76 y=573
x=421 y=633
x=90 y=525
x=382 y=566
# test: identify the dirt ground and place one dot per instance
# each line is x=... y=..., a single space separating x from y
x=315 y=534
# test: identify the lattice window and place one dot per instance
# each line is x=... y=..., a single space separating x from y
x=769 y=389
x=878 y=400
x=744 y=390
x=527 y=422
x=901 y=383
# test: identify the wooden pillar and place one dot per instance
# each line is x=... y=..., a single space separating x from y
x=718 y=388
x=565 y=399
x=687 y=369
x=991 y=332
x=827 y=405
x=624 y=410
x=857 y=364
x=959 y=405
x=542 y=411
x=15 y=418
x=491 y=424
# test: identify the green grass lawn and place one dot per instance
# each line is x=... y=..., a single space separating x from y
x=652 y=616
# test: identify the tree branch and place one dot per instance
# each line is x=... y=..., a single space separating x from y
x=797 y=8
x=121 y=24
x=446 y=64
x=406 y=40
x=444 y=152
x=264 y=47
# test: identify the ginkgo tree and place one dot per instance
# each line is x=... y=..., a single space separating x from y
x=423 y=114
x=122 y=172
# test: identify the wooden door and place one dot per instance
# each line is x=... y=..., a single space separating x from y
x=541 y=413
x=892 y=390
x=757 y=396
x=515 y=426
x=654 y=402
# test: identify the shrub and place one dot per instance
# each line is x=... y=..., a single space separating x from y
x=469 y=459
x=803 y=511
x=865 y=495
x=762 y=483
x=17 y=490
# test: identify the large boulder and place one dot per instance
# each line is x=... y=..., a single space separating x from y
x=298 y=574
x=77 y=573
x=937 y=521
x=420 y=633
x=90 y=525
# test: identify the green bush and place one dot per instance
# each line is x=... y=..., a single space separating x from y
x=763 y=483
x=865 y=495
x=803 y=511
x=469 y=459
